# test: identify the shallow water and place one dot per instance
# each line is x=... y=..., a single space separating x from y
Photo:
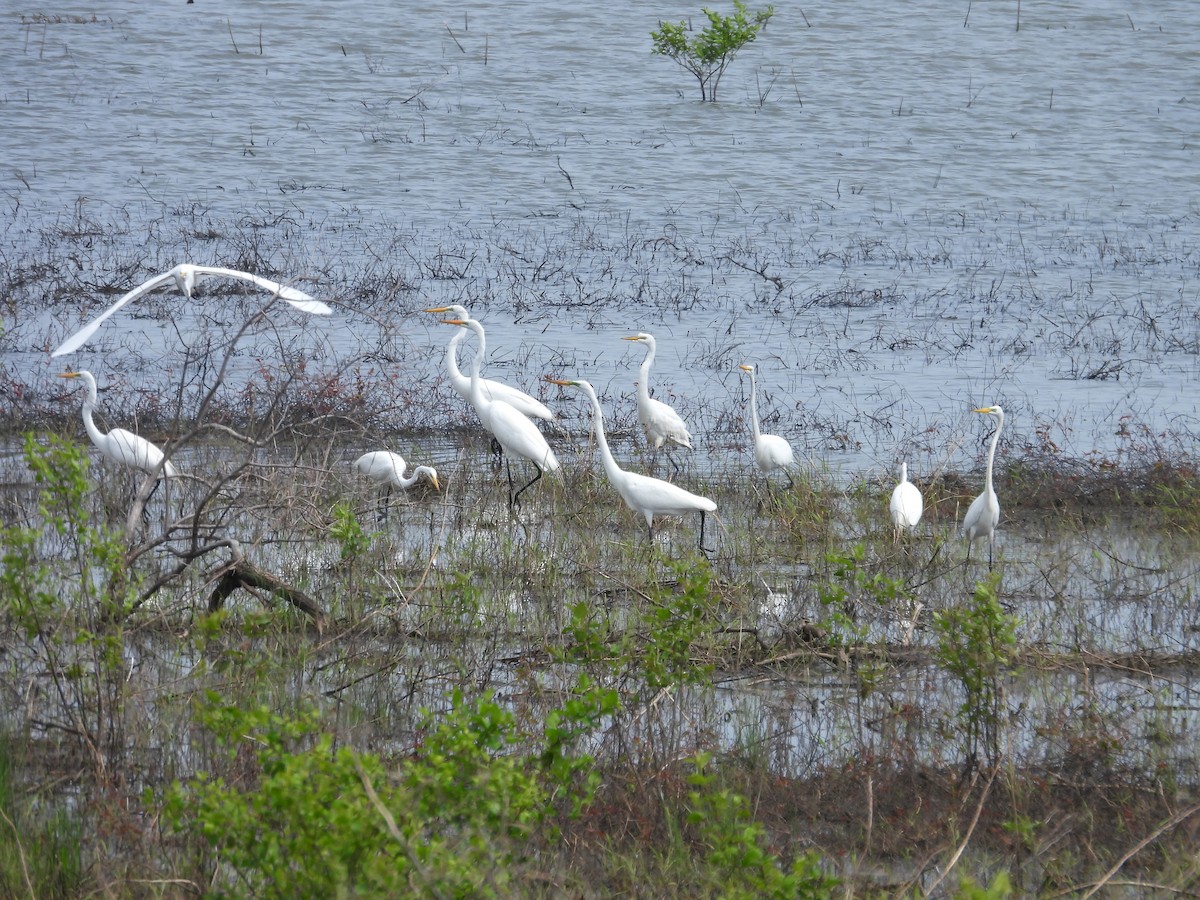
x=957 y=211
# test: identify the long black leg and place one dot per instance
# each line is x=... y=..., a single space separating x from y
x=508 y=470
x=497 y=454
x=703 y=549
x=528 y=485
x=989 y=554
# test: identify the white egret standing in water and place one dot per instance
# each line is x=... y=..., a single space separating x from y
x=983 y=515
x=386 y=469
x=649 y=496
x=516 y=434
x=121 y=446
x=907 y=505
x=771 y=452
x=662 y=424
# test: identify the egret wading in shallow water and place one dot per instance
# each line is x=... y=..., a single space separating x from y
x=516 y=434
x=906 y=506
x=492 y=389
x=386 y=469
x=771 y=452
x=121 y=446
x=983 y=515
x=186 y=277
x=649 y=496
x=662 y=424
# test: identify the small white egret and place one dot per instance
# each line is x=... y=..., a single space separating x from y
x=186 y=276
x=649 y=496
x=386 y=469
x=121 y=446
x=907 y=505
x=516 y=434
x=771 y=452
x=663 y=425
x=492 y=389
x=983 y=515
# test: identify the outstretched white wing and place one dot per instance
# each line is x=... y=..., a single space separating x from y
x=180 y=275
x=81 y=337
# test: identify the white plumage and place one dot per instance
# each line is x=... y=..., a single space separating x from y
x=983 y=515
x=907 y=505
x=662 y=424
x=186 y=276
x=771 y=452
x=119 y=445
x=645 y=495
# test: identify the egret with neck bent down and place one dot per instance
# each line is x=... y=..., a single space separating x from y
x=186 y=276
x=662 y=424
x=121 y=446
x=492 y=389
x=649 y=496
x=386 y=469
x=983 y=515
x=515 y=433
x=771 y=452
x=906 y=505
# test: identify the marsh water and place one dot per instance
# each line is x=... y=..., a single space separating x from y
x=898 y=211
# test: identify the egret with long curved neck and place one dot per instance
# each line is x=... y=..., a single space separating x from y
x=492 y=389
x=771 y=452
x=662 y=424
x=649 y=496
x=983 y=515
x=516 y=434
x=121 y=446
x=386 y=469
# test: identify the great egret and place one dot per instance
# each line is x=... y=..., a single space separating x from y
x=771 y=452
x=186 y=276
x=386 y=469
x=983 y=515
x=649 y=496
x=663 y=425
x=119 y=445
x=906 y=506
x=492 y=389
x=516 y=434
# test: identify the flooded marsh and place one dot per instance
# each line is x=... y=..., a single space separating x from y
x=258 y=679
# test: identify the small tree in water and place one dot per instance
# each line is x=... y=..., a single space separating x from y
x=707 y=54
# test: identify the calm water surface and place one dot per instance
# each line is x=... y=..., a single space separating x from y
x=957 y=211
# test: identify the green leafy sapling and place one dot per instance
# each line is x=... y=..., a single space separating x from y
x=707 y=54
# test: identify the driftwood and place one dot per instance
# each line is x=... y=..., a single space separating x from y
x=241 y=574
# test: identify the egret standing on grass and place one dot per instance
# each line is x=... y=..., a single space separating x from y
x=649 y=496
x=515 y=433
x=983 y=515
x=121 y=446
x=186 y=277
x=906 y=506
x=663 y=425
x=771 y=452
x=386 y=469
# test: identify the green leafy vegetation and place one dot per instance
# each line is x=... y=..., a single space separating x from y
x=708 y=53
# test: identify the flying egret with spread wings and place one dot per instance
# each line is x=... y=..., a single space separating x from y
x=186 y=277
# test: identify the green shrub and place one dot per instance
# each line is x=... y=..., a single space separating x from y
x=708 y=54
